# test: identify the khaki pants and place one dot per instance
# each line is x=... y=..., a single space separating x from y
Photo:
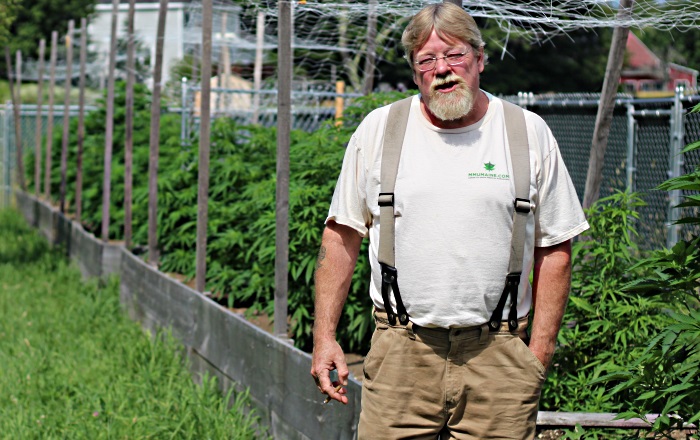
x=467 y=383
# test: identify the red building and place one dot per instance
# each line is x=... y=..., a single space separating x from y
x=644 y=74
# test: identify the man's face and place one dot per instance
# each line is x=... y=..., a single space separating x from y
x=448 y=91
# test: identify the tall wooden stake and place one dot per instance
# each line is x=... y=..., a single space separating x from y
x=155 y=139
x=606 y=107
x=370 y=58
x=204 y=138
x=49 y=119
x=109 y=129
x=39 y=103
x=257 y=69
x=81 y=121
x=129 y=126
x=66 y=114
x=226 y=62
x=284 y=126
x=16 y=93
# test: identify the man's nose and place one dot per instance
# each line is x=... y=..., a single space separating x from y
x=441 y=66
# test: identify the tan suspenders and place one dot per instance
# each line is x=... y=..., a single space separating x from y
x=391 y=152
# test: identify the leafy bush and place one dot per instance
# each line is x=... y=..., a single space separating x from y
x=665 y=377
x=604 y=326
x=241 y=227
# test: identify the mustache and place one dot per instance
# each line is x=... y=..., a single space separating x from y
x=451 y=78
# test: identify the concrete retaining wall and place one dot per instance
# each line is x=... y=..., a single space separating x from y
x=217 y=341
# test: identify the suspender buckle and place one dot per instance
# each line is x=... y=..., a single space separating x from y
x=522 y=205
x=386 y=199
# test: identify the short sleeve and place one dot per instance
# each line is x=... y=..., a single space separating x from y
x=349 y=204
x=559 y=216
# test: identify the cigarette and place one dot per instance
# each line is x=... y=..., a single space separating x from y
x=328 y=399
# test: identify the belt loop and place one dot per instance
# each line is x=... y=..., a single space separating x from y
x=411 y=333
x=484 y=333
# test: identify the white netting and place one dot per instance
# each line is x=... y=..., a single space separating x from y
x=330 y=38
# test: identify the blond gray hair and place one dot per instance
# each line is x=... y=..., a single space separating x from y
x=450 y=21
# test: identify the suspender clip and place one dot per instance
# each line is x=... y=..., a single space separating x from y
x=522 y=205
x=389 y=281
x=386 y=199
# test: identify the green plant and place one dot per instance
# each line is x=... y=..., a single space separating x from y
x=665 y=377
x=74 y=366
x=604 y=326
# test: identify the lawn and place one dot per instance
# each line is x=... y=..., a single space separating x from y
x=72 y=365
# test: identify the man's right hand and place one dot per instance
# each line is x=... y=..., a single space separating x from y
x=328 y=356
x=336 y=262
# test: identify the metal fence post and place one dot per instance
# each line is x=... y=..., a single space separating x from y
x=674 y=165
x=183 y=113
x=631 y=160
x=6 y=183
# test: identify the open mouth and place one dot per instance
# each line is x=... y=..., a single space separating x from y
x=446 y=85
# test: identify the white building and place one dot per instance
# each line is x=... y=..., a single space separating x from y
x=145 y=27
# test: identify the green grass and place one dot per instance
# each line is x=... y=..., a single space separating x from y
x=29 y=94
x=73 y=366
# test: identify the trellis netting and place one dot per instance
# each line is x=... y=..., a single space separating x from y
x=330 y=37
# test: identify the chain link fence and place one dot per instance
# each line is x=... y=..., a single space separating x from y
x=312 y=104
x=646 y=138
x=28 y=129
x=643 y=151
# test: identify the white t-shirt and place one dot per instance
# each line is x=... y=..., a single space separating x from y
x=453 y=204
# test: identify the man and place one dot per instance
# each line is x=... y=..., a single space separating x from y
x=444 y=372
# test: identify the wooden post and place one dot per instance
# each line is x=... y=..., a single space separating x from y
x=109 y=130
x=226 y=62
x=129 y=126
x=284 y=125
x=16 y=93
x=39 y=103
x=66 y=115
x=339 y=102
x=257 y=70
x=220 y=78
x=49 y=119
x=606 y=107
x=155 y=139
x=370 y=56
x=81 y=121
x=204 y=138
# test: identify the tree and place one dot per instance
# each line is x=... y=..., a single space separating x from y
x=8 y=12
x=35 y=19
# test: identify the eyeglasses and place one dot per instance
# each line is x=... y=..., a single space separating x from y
x=428 y=63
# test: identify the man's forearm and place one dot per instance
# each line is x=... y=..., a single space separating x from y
x=550 y=294
x=334 y=268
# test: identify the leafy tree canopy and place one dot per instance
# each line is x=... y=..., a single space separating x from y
x=8 y=11
x=36 y=19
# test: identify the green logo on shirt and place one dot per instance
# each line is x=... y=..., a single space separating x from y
x=489 y=174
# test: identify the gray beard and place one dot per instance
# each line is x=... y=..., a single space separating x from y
x=451 y=106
